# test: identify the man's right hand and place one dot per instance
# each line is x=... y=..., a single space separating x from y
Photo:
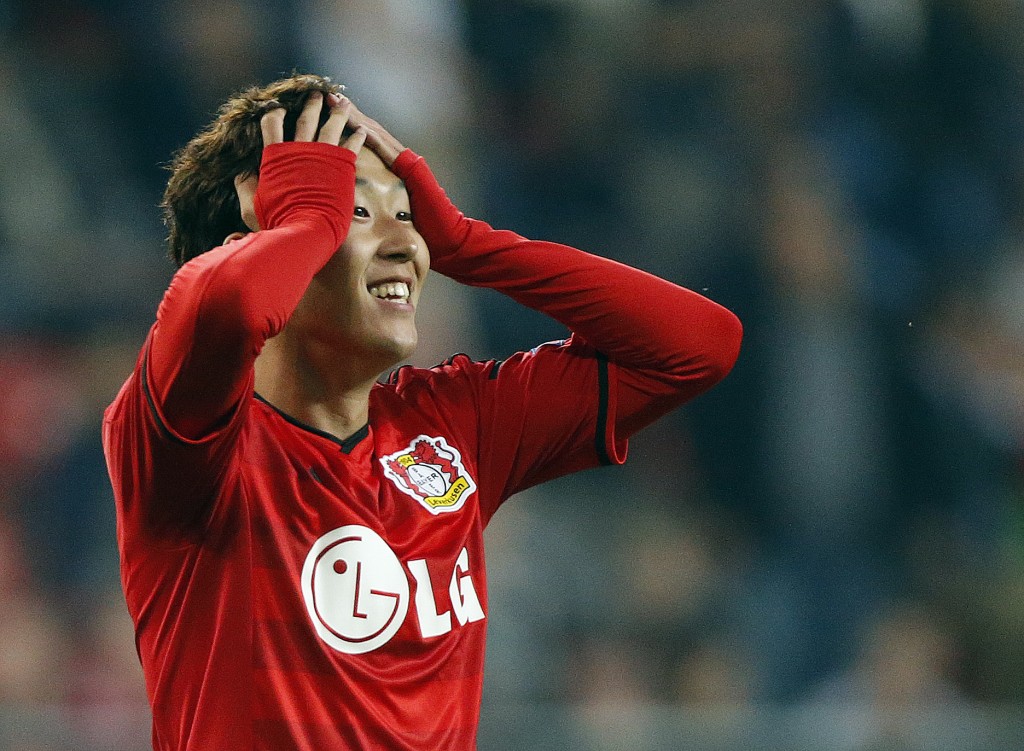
x=272 y=128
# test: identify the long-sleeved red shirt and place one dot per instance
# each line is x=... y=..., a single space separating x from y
x=291 y=590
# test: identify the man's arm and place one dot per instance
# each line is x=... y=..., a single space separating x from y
x=222 y=306
x=668 y=342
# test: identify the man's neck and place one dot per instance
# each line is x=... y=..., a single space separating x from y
x=314 y=385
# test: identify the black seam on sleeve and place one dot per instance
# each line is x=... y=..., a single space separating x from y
x=167 y=432
x=602 y=410
x=495 y=367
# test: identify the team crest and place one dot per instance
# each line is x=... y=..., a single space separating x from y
x=430 y=471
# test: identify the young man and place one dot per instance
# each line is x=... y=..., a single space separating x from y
x=301 y=545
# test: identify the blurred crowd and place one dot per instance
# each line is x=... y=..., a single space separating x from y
x=826 y=551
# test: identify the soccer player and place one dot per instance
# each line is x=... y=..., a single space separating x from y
x=301 y=542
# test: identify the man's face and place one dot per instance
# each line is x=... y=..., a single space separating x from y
x=364 y=299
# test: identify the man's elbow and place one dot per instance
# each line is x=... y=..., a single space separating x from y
x=721 y=348
x=729 y=339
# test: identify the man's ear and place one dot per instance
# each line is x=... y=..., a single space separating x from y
x=245 y=187
x=234 y=236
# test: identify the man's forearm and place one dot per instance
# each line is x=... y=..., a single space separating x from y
x=636 y=319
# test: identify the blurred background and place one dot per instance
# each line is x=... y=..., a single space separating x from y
x=824 y=552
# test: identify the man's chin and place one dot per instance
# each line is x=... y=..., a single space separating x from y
x=394 y=351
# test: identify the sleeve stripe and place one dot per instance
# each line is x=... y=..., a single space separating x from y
x=602 y=411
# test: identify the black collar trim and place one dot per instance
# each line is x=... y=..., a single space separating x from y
x=346 y=444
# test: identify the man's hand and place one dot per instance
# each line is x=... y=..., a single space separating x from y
x=272 y=128
x=382 y=143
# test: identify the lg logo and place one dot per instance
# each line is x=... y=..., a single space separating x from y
x=357 y=593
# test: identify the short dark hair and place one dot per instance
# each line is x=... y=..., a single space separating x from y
x=200 y=204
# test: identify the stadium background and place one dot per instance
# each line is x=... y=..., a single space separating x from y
x=825 y=552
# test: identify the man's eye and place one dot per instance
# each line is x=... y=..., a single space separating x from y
x=403 y=216
x=360 y=212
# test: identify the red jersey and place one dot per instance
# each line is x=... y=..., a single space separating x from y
x=291 y=590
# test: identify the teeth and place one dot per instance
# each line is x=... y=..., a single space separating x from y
x=391 y=291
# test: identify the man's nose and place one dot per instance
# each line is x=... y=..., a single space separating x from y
x=398 y=241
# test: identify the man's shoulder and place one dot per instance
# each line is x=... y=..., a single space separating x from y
x=459 y=368
x=461 y=373
x=457 y=385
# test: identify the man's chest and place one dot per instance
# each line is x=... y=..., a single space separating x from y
x=378 y=546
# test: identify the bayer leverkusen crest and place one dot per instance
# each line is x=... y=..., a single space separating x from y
x=430 y=471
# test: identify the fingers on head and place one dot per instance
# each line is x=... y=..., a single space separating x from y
x=357 y=118
x=355 y=141
x=333 y=129
x=342 y=114
x=309 y=117
x=272 y=124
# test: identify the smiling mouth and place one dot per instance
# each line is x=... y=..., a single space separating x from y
x=394 y=291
